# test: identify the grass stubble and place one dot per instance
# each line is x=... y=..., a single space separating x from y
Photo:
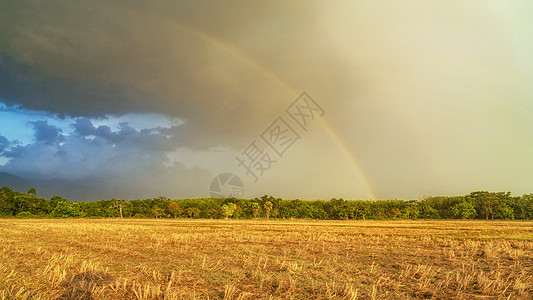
x=259 y=259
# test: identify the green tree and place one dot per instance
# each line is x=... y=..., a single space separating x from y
x=394 y=213
x=359 y=210
x=268 y=207
x=488 y=203
x=255 y=208
x=528 y=206
x=338 y=209
x=7 y=205
x=212 y=213
x=443 y=204
x=464 y=210
x=505 y=212
x=53 y=202
x=410 y=210
x=175 y=209
x=65 y=209
x=519 y=205
x=32 y=192
x=192 y=212
x=32 y=204
x=428 y=212
x=158 y=212
x=119 y=205
x=228 y=209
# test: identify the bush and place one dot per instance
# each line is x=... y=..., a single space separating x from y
x=24 y=214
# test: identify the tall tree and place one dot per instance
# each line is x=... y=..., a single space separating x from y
x=268 y=207
x=119 y=204
x=65 y=209
x=158 y=212
x=228 y=209
x=526 y=206
x=7 y=205
x=464 y=210
x=192 y=212
x=175 y=209
x=32 y=192
x=255 y=209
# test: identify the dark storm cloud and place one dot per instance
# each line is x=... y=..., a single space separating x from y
x=86 y=59
x=210 y=67
x=20 y=85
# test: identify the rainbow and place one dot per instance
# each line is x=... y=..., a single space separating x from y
x=234 y=51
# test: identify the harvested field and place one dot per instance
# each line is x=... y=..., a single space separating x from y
x=274 y=259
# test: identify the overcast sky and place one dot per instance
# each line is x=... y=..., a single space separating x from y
x=137 y=99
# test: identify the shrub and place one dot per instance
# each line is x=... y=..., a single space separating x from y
x=24 y=214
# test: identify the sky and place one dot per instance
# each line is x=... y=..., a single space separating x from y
x=299 y=99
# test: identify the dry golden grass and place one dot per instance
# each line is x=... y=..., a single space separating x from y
x=225 y=259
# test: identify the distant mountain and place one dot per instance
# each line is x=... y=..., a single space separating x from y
x=51 y=187
x=68 y=190
x=15 y=183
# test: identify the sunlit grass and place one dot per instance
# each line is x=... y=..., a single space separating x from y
x=226 y=259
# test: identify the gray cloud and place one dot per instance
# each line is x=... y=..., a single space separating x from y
x=160 y=139
x=14 y=152
x=84 y=127
x=127 y=162
x=4 y=143
x=47 y=134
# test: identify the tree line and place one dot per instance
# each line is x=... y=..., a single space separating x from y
x=476 y=205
